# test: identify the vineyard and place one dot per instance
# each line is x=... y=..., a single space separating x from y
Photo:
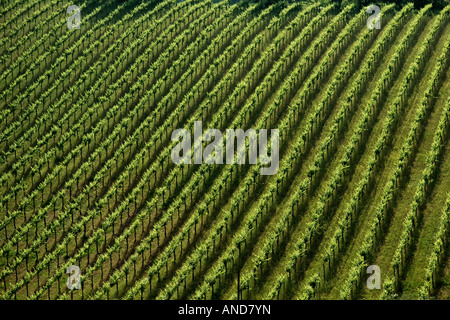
x=87 y=179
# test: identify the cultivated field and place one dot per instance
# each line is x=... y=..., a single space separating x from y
x=87 y=178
